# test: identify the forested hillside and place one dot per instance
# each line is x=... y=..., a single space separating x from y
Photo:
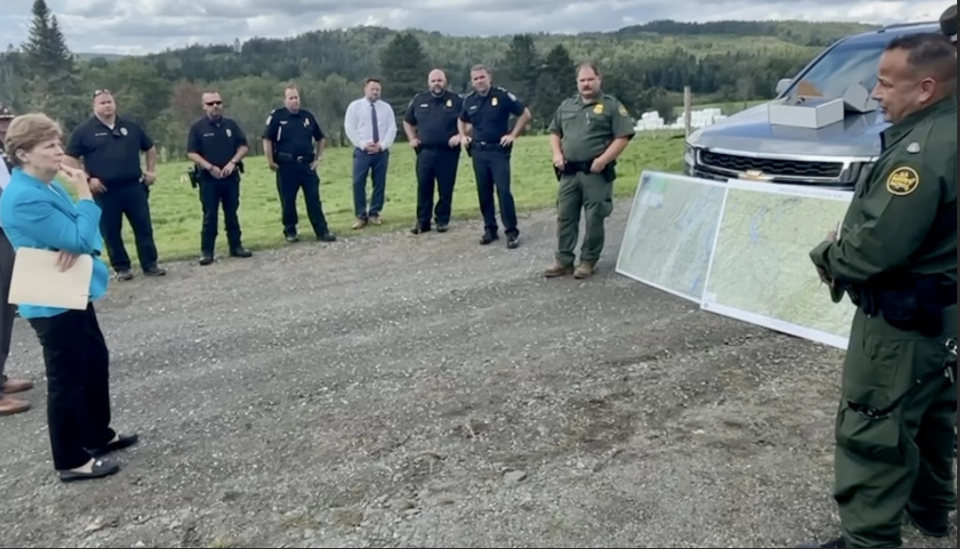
x=645 y=66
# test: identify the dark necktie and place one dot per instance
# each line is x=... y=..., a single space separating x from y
x=376 y=127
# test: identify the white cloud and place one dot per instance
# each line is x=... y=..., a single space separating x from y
x=141 y=26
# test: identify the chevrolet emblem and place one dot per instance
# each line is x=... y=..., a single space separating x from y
x=755 y=175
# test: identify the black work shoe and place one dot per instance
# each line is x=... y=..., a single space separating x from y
x=241 y=252
x=125 y=275
x=327 y=237
x=838 y=543
x=100 y=469
x=930 y=524
x=292 y=238
x=155 y=271
x=442 y=228
x=513 y=242
x=488 y=239
x=420 y=230
x=206 y=259
x=122 y=443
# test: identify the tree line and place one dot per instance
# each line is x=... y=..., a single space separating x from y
x=646 y=67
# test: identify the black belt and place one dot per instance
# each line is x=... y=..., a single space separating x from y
x=295 y=159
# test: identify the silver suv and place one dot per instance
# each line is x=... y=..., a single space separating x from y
x=747 y=146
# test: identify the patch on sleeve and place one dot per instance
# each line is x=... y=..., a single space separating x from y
x=903 y=181
x=623 y=111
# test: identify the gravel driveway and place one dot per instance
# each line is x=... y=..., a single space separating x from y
x=425 y=391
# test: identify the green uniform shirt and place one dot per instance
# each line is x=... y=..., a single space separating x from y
x=587 y=128
x=903 y=218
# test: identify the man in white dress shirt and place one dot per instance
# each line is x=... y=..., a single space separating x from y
x=8 y=405
x=370 y=124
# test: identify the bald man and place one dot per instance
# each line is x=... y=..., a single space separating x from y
x=431 y=127
x=898 y=258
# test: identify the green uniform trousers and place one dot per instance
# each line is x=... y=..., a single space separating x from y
x=594 y=195
x=904 y=459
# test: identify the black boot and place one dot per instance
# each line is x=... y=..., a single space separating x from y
x=931 y=524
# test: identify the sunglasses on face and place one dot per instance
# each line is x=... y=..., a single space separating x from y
x=213 y=103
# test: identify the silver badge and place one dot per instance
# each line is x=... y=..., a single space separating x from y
x=229 y=133
x=913 y=147
x=123 y=131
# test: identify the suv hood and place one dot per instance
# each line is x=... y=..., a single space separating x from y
x=750 y=132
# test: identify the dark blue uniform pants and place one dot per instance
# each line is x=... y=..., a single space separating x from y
x=130 y=199
x=492 y=169
x=291 y=177
x=375 y=166
x=436 y=167
x=214 y=193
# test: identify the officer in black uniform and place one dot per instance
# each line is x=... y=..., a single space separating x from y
x=484 y=130
x=110 y=148
x=431 y=128
x=288 y=144
x=217 y=146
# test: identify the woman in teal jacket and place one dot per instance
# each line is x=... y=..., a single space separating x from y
x=38 y=213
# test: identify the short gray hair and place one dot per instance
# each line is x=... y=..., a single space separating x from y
x=481 y=68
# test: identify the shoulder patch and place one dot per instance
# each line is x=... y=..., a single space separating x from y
x=903 y=181
x=511 y=96
x=623 y=110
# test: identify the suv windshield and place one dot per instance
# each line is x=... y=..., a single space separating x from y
x=841 y=67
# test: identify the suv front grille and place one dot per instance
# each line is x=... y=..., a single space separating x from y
x=772 y=167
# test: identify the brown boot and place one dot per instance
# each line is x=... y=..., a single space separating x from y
x=10 y=406
x=557 y=270
x=361 y=223
x=583 y=270
x=375 y=220
x=12 y=386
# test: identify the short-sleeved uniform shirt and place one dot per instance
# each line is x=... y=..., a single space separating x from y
x=490 y=114
x=216 y=141
x=903 y=219
x=111 y=155
x=293 y=133
x=435 y=117
x=586 y=128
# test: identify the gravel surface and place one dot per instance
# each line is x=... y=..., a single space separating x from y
x=426 y=391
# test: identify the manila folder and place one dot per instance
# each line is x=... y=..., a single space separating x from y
x=38 y=281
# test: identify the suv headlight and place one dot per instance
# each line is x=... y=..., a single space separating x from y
x=689 y=157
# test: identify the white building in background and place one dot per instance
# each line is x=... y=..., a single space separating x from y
x=698 y=119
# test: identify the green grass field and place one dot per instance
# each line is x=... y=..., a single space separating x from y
x=175 y=205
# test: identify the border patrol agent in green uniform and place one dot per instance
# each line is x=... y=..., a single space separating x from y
x=897 y=259
x=948 y=25
x=587 y=134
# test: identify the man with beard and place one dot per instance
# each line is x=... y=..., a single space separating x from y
x=587 y=134
x=217 y=146
x=431 y=127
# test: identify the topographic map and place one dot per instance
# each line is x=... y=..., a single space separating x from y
x=670 y=235
x=761 y=271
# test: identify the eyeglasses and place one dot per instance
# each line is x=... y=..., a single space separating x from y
x=98 y=93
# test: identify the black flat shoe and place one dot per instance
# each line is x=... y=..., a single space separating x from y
x=122 y=443
x=101 y=469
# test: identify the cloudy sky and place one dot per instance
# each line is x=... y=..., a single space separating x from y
x=143 y=26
